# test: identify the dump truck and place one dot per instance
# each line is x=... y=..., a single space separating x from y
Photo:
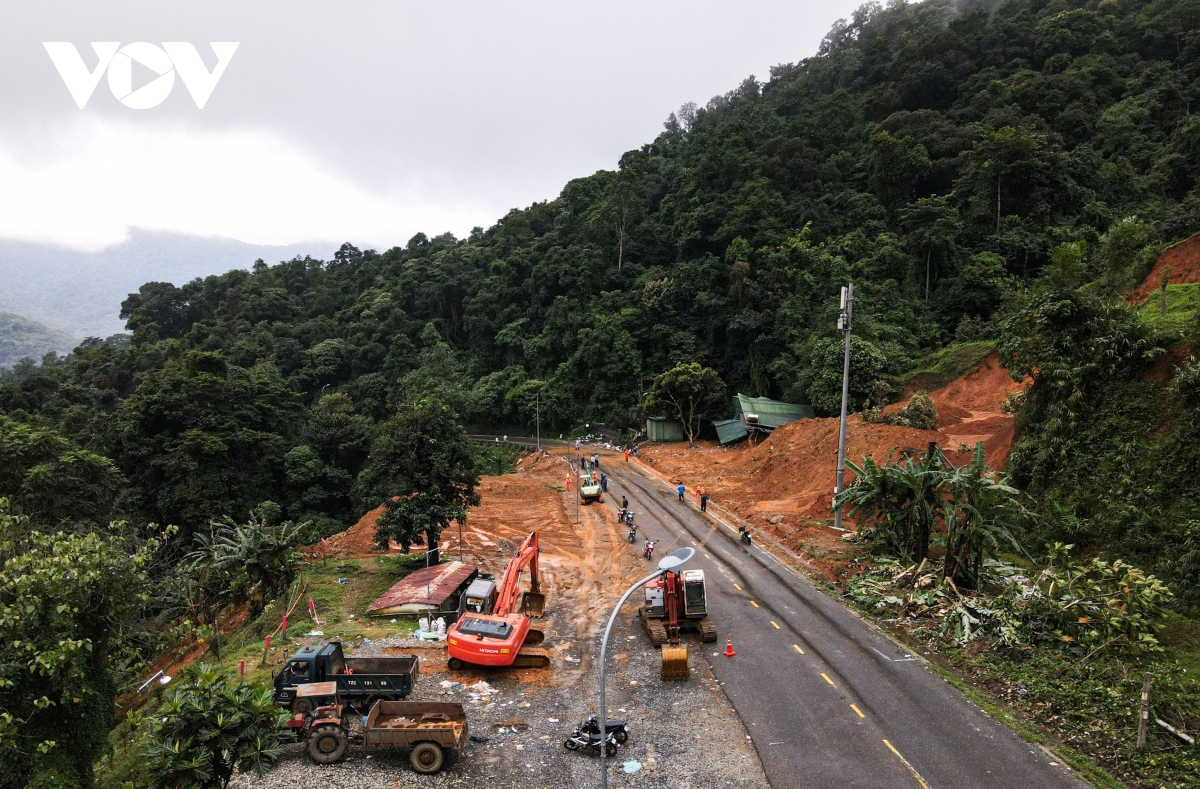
x=495 y=631
x=361 y=681
x=433 y=733
x=675 y=602
x=589 y=489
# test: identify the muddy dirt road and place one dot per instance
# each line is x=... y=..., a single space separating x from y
x=829 y=700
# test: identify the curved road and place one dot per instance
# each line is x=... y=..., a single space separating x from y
x=827 y=698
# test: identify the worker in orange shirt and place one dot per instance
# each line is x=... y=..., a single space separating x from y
x=627 y=456
x=568 y=478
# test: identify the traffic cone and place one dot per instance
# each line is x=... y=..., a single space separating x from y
x=729 y=648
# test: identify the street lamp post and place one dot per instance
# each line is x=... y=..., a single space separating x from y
x=163 y=678
x=669 y=562
x=844 y=324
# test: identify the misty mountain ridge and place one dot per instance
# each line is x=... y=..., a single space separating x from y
x=21 y=338
x=80 y=293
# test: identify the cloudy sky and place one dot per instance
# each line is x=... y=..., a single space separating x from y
x=356 y=120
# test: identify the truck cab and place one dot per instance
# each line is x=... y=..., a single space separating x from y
x=319 y=663
x=359 y=679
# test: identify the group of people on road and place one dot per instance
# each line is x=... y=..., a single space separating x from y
x=681 y=489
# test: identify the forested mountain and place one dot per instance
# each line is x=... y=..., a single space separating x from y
x=22 y=338
x=78 y=292
x=941 y=155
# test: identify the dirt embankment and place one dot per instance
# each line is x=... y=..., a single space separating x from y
x=358 y=541
x=1184 y=260
x=784 y=484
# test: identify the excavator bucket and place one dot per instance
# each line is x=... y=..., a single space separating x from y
x=675 y=662
x=533 y=603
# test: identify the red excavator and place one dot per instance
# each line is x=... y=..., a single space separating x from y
x=676 y=601
x=494 y=631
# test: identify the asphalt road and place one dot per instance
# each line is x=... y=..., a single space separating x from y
x=828 y=699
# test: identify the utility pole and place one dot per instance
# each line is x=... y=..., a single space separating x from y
x=537 y=400
x=844 y=319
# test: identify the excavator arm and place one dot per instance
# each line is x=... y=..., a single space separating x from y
x=674 y=652
x=534 y=602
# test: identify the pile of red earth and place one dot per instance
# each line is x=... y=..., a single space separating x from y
x=785 y=482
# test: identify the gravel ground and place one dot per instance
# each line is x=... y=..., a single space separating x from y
x=684 y=734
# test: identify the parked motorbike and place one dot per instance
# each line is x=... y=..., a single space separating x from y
x=632 y=534
x=744 y=534
x=584 y=741
x=648 y=551
x=628 y=516
x=614 y=727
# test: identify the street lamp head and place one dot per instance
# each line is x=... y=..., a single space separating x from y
x=164 y=679
x=675 y=558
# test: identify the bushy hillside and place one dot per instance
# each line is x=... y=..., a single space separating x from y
x=22 y=338
x=942 y=155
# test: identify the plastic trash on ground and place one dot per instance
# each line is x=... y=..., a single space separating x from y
x=631 y=766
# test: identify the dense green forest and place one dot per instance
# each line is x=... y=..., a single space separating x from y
x=980 y=171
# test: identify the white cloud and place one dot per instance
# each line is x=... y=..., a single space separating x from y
x=245 y=185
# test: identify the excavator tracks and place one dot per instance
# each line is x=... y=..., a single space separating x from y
x=535 y=637
x=708 y=631
x=526 y=658
x=656 y=631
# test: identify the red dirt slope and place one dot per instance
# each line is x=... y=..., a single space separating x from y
x=785 y=482
x=1184 y=260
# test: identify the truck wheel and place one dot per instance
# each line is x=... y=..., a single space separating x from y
x=327 y=744
x=303 y=706
x=427 y=758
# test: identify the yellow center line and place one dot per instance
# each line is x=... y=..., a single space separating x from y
x=735 y=586
x=826 y=676
x=706 y=556
x=798 y=649
x=857 y=711
x=719 y=567
x=693 y=542
x=915 y=774
x=775 y=623
x=754 y=604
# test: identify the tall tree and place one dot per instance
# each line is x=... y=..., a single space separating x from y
x=689 y=393
x=932 y=225
x=65 y=601
x=422 y=469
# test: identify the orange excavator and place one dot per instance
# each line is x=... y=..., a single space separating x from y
x=494 y=631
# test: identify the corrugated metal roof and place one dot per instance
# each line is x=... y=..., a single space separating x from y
x=730 y=431
x=444 y=579
x=771 y=413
